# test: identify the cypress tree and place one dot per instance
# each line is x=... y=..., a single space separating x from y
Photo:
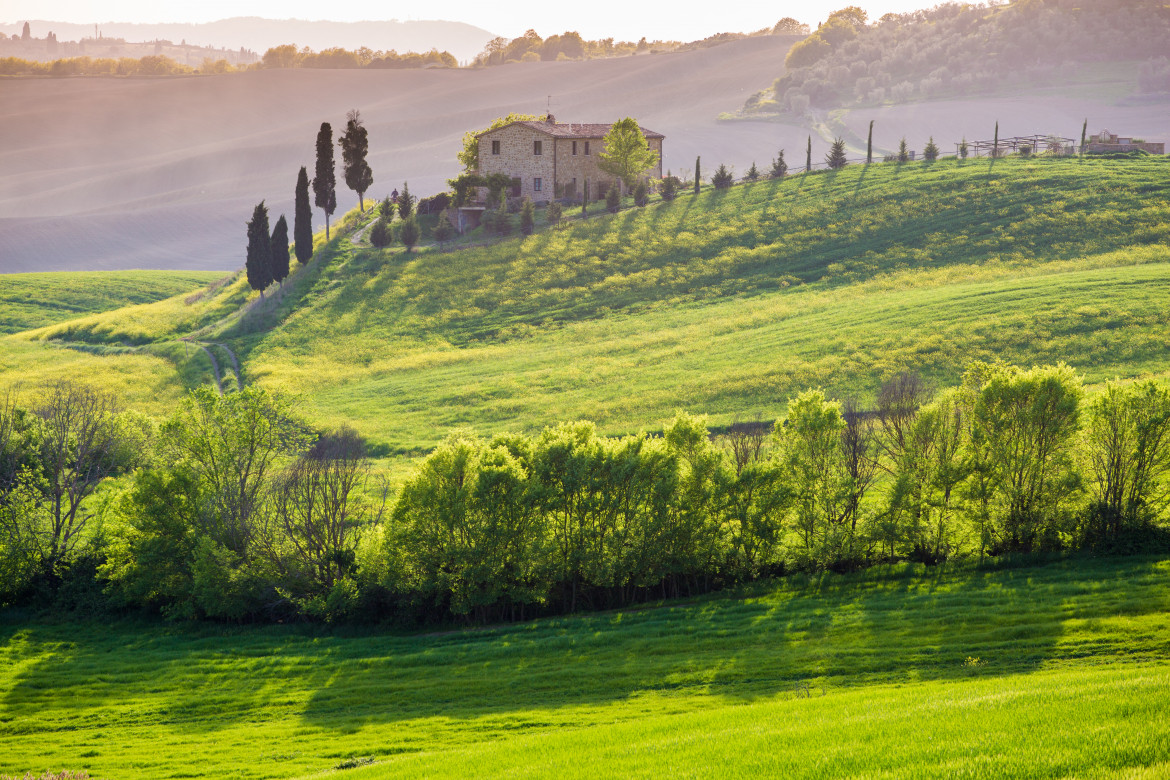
x=280 y=257
x=963 y=149
x=869 y=145
x=1084 y=132
x=697 y=175
x=324 y=181
x=355 y=145
x=753 y=172
x=585 y=198
x=903 y=151
x=808 y=156
x=303 y=219
x=995 y=143
x=259 y=260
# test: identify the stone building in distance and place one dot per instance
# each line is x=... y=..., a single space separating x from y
x=547 y=159
x=1106 y=141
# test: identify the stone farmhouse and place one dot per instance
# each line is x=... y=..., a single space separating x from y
x=547 y=159
x=1106 y=141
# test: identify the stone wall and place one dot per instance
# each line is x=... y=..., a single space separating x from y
x=518 y=159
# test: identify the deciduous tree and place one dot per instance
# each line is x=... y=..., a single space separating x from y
x=625 y=153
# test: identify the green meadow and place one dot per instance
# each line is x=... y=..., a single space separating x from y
x=1055 y=671
x=726 y=303
x=37 y=299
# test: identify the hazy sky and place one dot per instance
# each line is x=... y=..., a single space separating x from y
x=600 y=18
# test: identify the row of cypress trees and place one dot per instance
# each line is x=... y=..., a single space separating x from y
x=267 y=255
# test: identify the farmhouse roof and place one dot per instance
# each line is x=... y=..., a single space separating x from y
x=570 y=129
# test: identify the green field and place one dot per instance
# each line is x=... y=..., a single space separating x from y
x=35 y=300
x=727 y=303
x=1053 y=671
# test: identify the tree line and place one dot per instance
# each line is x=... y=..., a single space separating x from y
x=286 y=56
x=234 y=508
x=958 y=48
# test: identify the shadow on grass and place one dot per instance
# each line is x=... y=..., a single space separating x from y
x=808 y=633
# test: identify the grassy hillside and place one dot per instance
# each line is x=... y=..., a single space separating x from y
x=1049 y=671
x=38 y=299
x=725 y=303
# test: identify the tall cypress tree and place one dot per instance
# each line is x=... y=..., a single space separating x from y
x=808 y=156
x=697 y=175
x=354 y=146
x=869 y=145
x=280 y=251
x=1084 y=131
x=259 y=261
x=324 y=181
x=995 y=143
x=303 y=219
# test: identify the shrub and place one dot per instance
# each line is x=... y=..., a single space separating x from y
x=553 y=213
x=641 y=193
x=501 y=223
x=836 y=156
x=903 y=151
x=527 y=217
x=409 y=233
x=443 y=230
x=613 y=199
x=753 y=172
x=669 y=187
x=722 y=178
x=779 y=167
x=963 y=149
x=435 y=204
x=380 y=234
x=930 y=152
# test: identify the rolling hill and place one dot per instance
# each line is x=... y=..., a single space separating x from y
x=725 y=303
x=169 y=169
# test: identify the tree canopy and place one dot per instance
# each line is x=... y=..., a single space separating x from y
x=625 y=154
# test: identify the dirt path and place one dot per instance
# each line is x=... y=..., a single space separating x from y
x=214 y=368
x=235 y=364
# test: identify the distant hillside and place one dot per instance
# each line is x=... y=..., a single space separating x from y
x=178 y=164
x=257 y=34
x=961 y=50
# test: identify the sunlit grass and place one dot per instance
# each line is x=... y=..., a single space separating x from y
x=35 y=300
x=1047 y=671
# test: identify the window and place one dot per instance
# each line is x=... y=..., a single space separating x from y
x=574 y=147
x=586 y=147
x=538 y=147
x=495 y=147
x=515 y=188
x=536 y=185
